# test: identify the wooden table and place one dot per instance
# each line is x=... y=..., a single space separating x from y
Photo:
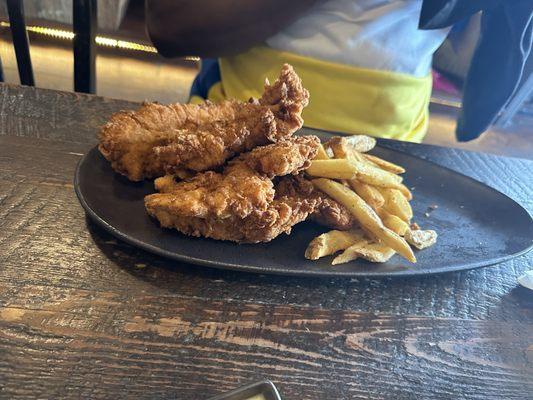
x=83 y=315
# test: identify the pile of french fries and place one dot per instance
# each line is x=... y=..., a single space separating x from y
x=372 y=190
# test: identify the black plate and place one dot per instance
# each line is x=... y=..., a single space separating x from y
x=477 y=225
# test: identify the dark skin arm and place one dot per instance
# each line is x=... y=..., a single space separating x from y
x=213 y=28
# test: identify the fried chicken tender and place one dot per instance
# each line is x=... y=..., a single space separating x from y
x=259 y=226
x=239 y=204
x=159 y=139
x=238 y=191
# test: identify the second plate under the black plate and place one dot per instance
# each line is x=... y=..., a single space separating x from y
x=477 y=225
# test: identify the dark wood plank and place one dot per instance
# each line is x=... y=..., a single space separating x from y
x=84 y=315
x=54 y=115
x=70 y=343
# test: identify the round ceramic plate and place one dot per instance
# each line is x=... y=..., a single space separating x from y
x=477 y=225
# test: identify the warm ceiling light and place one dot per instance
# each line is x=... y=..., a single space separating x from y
x=100 y=40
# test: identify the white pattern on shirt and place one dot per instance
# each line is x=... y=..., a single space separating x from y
x=374 y=34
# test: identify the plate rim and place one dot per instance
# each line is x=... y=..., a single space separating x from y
x=285 y=272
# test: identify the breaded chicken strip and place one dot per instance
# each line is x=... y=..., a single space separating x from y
x=159 y=139
x=240 y=204
x=259 y=226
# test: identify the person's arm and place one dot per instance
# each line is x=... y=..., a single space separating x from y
x=212 y=28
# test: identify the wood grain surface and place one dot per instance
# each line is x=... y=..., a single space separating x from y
x=85 y=316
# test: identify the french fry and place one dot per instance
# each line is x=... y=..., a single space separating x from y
x=368 y=193
x=335 y=169
x=322 y=154
x=394 y=223
x=405 y=191
x=365 y=215
x=374 y=176
x=347 y=169
x=421 y=238
x=352 y=155
x=374 y=252
x=384 y=164
x=346 y=145
x=331 y=242
x=397 y=204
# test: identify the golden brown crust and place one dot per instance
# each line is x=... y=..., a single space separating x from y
x=210 y=194
x=259 y=226
x=284 y=158
x=157 y=139
x=333 y=215
x=238 y=204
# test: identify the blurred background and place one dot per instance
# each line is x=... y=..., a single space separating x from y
x=128 y=67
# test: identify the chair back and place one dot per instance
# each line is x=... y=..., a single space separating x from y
x=84 y=45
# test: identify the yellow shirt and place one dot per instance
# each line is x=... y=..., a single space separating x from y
x=343 y=98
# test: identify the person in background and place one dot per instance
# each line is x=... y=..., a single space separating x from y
x=366 y=63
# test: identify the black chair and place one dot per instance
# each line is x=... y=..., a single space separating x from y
x=84 y=25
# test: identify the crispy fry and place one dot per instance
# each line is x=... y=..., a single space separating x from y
x=335 y=169
x=384 y=164
x=421 y=238
x=332 y=242
x=397 y=204
x=322 y=154
x=339 y=153
x=345 y=146
x=365 y=215
x=374 y=252
x=374 y=176
x=368 y=193
x=394 y=223
x=347 y=169
x=405 y=191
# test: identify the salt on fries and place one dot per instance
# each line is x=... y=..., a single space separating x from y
x=372 y=191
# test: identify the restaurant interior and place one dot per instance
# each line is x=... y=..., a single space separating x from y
x=163 y=212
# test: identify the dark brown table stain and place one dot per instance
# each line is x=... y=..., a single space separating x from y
x=85 y=316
